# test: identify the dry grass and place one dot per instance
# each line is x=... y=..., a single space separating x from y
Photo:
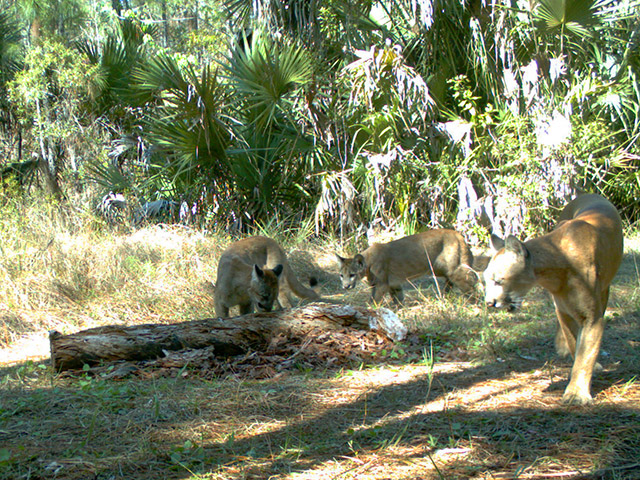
x=468 y=395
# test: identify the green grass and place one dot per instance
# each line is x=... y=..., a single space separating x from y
x=469 y=394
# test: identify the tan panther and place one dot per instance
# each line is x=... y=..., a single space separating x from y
x=439 y=252
x=255 y=273
x=576 y=263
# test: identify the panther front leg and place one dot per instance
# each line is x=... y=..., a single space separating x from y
x=378 y=287
x=578 y=392
x=566 y=335
x=397 y=294
x=377 y=292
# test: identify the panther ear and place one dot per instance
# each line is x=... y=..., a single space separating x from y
x=278 y=269
x=496 y=243
x=513 y=245
x=359 y=262
x=257 y=273
x=340 y=259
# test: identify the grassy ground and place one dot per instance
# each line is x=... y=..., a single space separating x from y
x=470 y=394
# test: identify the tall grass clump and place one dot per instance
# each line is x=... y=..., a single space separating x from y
x=62 y=268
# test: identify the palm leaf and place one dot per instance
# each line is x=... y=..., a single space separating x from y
x=109 y=176
x=186 y=127
x=263 y=74
x=117 y=57
x=578 y=17
x=160 y=75
x=238 y=10
x=10 y=52
x=192 y=101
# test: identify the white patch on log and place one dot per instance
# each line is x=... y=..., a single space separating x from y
x=389 y=323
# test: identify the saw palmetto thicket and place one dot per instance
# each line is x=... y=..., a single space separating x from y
x=351 y=113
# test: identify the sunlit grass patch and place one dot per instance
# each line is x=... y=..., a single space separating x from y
x=67 y=277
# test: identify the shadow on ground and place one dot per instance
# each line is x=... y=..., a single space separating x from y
x=88 y=428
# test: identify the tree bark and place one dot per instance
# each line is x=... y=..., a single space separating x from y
x=228 y=337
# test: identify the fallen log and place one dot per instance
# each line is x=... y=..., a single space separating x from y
x=226 y=337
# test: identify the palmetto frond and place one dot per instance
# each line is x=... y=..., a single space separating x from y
x=117 y=57
x=266 y=176
x=186 y=129
x=9 y=47
x=160 y=76
x=569 y=16
x=109 y=177
x=190 y=107
x=580 y=20
x=239 y=10
x=263 y=74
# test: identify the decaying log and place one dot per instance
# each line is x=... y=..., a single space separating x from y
x=228 y=337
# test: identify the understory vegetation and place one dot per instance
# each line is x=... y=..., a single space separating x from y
x=400 y=114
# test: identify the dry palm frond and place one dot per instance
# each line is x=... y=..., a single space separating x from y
x=337 y=204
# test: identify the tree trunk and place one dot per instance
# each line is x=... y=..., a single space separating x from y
x=196 y=13
x=228 y=337
x=165 y=23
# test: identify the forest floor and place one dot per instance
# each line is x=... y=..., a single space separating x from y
x=469 y=394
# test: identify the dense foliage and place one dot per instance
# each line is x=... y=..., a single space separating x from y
x=473 y=114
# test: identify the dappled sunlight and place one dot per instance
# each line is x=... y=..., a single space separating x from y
x=29 y=347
